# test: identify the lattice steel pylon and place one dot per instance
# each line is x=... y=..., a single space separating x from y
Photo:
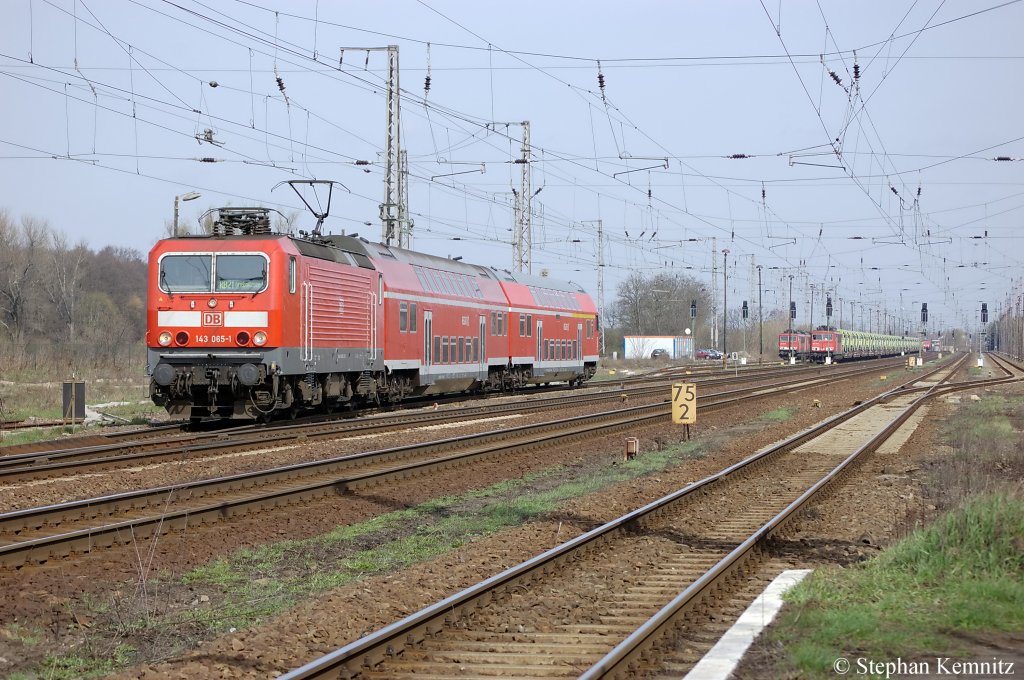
x=522 y=241
x=405 y=224
x=391 y=209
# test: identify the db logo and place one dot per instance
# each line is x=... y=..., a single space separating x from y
x=213 y=318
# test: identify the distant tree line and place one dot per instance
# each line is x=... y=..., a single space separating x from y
x=659 y=304
x=64 y=306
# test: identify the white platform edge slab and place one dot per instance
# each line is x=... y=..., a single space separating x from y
x=722 y=659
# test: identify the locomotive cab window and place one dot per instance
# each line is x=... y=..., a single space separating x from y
x=240 y=273
x=186 y=273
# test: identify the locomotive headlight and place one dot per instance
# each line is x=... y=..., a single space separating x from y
x=260 y=338
x=212 y=303
x=164 y=339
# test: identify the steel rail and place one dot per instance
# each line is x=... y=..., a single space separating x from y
x=389 y=641
x=623 y=660
x=38 y=465
x=18 y=523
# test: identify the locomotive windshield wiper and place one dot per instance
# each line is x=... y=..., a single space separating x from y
x=163 y=280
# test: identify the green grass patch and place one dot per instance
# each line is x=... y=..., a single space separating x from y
x=74 y=666
x=32 y=395
x=263 y=580
x=778 y=415
x=963 y=573
x=26 y=635
x=15 y=437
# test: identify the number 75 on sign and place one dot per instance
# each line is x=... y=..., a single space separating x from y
x=684 y=403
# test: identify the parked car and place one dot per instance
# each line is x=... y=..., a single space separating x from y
x=707 y=353
x=660 y=354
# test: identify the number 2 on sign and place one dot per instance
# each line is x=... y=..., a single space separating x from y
x=684 y=403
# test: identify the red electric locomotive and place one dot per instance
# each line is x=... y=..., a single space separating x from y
x=246 y=322
x=793 y=343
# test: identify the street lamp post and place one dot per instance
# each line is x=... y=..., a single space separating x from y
x=811 y=320
x=725 y=304
x=760 y=319
x=790 y=311
x=190 y=196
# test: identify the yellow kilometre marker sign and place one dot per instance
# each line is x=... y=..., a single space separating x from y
x=684 y=403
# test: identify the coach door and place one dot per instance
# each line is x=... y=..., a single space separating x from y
x=483 y=340
x=428 y=333
x=540 y=340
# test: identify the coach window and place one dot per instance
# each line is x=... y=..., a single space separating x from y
x=529 y=325
x=412 y=317
x=444 y=350
x=469 y=350
x=403 y=317
x=522 y=325
x=437 y=349
x=494 y=323
x=461 y=345
x=291 y=274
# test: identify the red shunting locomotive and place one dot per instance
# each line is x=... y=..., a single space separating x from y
x=245 y=322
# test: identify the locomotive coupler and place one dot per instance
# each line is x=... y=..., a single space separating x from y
x=211 y=390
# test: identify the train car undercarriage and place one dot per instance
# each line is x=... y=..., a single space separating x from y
x=258 y=392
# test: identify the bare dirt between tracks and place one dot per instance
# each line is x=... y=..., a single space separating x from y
x=895 y=493
x=92 y=606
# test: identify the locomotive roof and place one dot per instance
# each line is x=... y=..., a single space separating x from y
x=361 y=250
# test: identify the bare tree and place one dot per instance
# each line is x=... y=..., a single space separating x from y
x=63 y=283
x=658 y=304
x=286 y=223
x=19 y=270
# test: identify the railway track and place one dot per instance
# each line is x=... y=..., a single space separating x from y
x=88 y=439
x=619 y=600
x=179 y=431
x=182 y=431
x=106 y=455
x=37 y=535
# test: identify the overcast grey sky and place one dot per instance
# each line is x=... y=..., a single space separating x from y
x=882 y=187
